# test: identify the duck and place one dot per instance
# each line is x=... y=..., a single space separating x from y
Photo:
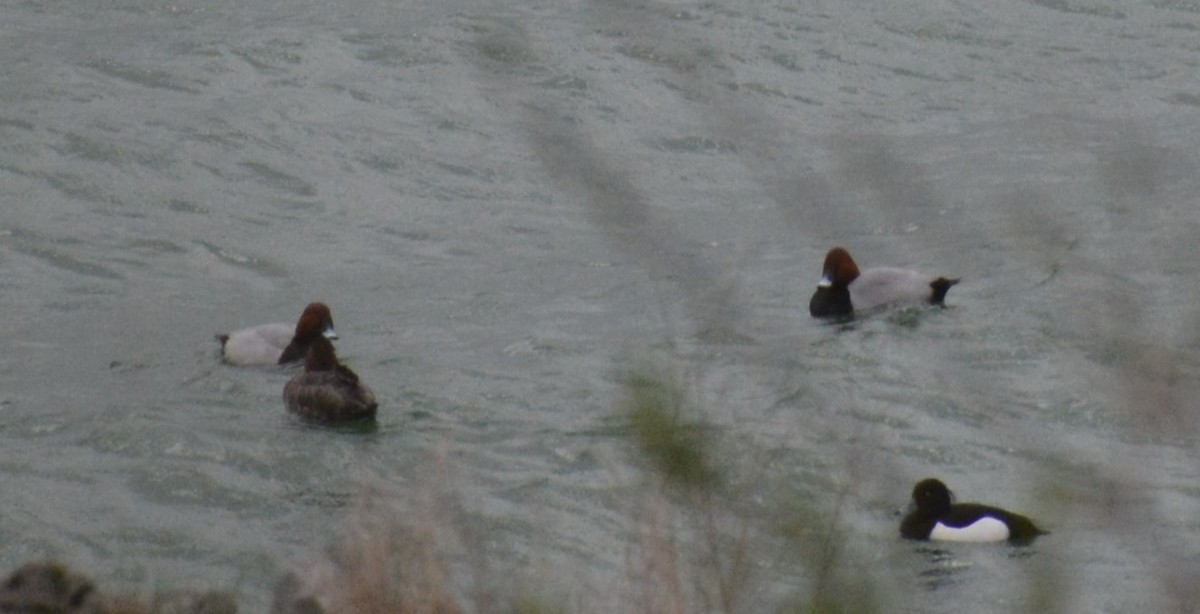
x=328 y=391
x=936 y=517
x=844 y=290
x=278 y=343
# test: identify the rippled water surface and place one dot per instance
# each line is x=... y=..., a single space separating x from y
x=509 y=206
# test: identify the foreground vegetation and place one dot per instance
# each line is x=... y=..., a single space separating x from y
x=695 y=549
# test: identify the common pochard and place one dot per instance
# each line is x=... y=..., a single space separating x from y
x=278 y=343
x=937 y=517
x=328 y=391
x=844 y=289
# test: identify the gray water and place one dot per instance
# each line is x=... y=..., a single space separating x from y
x=510 y=205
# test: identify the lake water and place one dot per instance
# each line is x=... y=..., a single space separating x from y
x=510 y=206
